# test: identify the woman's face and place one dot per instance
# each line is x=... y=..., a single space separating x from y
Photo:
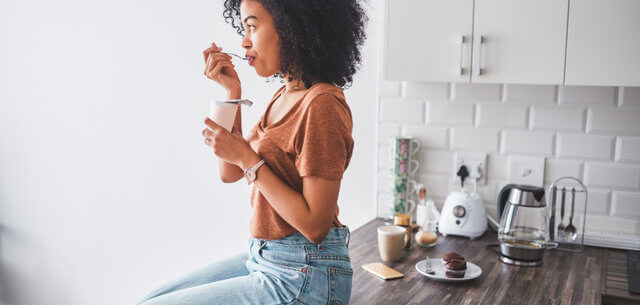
x=261 y=40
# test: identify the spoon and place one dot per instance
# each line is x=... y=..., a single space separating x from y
x=236 y=55
x=429 y=270
x=561 y=226
x=570 y=231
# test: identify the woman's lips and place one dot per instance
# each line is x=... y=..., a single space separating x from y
x=251 y=60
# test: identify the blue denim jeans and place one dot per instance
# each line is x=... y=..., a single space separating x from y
x=291 y=270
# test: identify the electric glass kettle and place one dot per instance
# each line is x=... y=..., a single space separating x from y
x=523 y=232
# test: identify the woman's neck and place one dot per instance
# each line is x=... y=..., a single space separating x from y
x=294 y=85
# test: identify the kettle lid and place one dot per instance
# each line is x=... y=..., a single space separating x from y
x=527 y=195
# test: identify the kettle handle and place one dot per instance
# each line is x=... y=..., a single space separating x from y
x=503 y=196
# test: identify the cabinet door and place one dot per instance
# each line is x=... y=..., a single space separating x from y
x=603 y=46
x=519 y=41
x=422 y=40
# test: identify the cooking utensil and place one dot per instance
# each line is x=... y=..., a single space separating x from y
x=428 y=270
x=236 y=55
x=570 y=232
x=560 y=225
x=552 y=219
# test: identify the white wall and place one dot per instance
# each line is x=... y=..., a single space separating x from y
x=106 y=188
x=591 y=133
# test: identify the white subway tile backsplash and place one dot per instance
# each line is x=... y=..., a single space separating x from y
x=384 y=204
x=448 y=113
x=585 y=146
x=488 y=193
x=436 y=185
x=474 y=139
x=626 y=204
x=389 y=88
x=631 y=96
x=429 y=136
x=591 y=95
x=531 y=94
x=565 y=124
x=555 y=169
x=628 y=149
x=401 y=111
x=612 y=175
x=386 y=131
x=477 y=92
x=436 y=162
x=558 y=117
x=384 y=181
x=611 y=225
x=428 y=91
x=384 y=155
x=502 y=116
x=615 y=121
x=599 y=202
x=528 y=142
x=497 y=166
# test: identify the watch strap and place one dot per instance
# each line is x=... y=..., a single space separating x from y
x=253 y=170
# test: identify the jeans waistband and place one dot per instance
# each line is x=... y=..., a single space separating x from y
x=335 y=236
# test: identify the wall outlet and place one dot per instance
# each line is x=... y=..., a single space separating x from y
x=471 y=160
x=526 y=170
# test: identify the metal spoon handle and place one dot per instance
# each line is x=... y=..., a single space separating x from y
x=564 y=192
x=573 y=200
x=236 y=55
x=552 y=219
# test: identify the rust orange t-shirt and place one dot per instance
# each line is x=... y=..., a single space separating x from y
x=312 y=139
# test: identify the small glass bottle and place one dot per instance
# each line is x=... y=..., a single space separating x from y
x=427 y=235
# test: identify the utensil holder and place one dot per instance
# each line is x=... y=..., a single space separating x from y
x=556 y=186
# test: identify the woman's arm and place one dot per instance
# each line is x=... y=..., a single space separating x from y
x=311 y=212
x=230 y=172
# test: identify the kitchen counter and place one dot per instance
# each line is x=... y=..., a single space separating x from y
x=563 y=278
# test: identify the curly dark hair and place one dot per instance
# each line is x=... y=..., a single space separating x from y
x=320 y=40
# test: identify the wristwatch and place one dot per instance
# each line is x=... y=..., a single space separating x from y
x=252 y=173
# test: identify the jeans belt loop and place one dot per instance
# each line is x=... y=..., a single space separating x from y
x=321 y=246
x=348 y=237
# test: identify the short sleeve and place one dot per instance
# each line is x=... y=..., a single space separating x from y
x=323 y=141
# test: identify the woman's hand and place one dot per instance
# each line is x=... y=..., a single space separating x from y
x=230 y=147
x=220 y=69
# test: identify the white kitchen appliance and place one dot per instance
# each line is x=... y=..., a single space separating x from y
x=463 y=213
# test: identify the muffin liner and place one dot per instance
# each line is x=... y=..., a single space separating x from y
x=454 y=273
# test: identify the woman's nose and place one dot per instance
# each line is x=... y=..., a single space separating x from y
x=246 y=43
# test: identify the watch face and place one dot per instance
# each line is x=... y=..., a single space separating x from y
x=251 y=175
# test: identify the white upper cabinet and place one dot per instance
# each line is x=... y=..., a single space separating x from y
x=489 y=41
x=519 y=41
x=603 y=46
x=423 y=40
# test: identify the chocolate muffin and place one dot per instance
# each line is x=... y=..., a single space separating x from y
x=451 y=255
x=455 y=268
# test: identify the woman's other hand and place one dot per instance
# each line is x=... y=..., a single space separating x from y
x=230 y=147
x=220 y=69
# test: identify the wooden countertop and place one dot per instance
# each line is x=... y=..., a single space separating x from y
x=563 y=278
x=614 y=286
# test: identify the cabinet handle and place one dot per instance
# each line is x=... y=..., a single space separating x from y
x=461 y=41
x=479 y=70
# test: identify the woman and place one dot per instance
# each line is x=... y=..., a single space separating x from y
x=295 y=156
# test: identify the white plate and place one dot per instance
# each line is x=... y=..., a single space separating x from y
x=473 y=271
